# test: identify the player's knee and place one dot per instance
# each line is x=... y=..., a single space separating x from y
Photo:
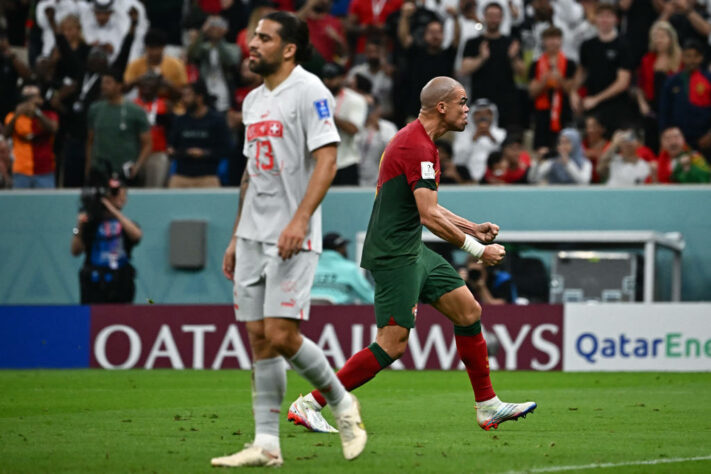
x=471 y=314
x=283 y=341
x=395 y=349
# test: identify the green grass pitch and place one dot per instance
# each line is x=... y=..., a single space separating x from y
x=175 y=421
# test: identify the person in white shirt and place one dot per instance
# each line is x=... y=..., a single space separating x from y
x=350 y=115
x=371 y=142
x=105 y=26
x=374 y=69
x=481 y=136
x=470 y=27
x=621 y=164
x=568 y=166
x=50 y=13
x=290 y=146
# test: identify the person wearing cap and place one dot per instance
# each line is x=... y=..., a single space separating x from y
x=626 y=162
x=350 y=114
x=107 y=237
x=339 y=280
x=119 y=135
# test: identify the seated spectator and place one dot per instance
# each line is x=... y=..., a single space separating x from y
x=567 y=166
x=107 y=237
x=374 y=68
x=350 y=114
x=325 y=30
x=216 y=59
x=492 y=60
x=513 y=164
x=495 y=168
x=622 y=164
x=686 y=99
x=551 y=83
x=662 y=61
x=171 y=70
x=450 y=173
x=594 y=142
x=339 y=280
x=679 y=163
x=371 y=142
x=422 y=62
x=199 y=139
x=605 y=71
x=119 y=135
x=481 y=136
x=32 y=129
x=158 y=112
x=5 y=164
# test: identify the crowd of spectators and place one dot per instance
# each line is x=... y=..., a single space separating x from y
x=562 y=91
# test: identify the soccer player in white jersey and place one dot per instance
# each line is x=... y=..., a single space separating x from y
x=291 y=147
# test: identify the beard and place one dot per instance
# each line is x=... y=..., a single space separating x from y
x=374 y=63
x=262 y=67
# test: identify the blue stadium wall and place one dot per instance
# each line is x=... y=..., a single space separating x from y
x=36 y=267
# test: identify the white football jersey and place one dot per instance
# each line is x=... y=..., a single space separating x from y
x=283 y=126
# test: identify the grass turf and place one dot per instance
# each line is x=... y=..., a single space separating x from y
x=175 y=421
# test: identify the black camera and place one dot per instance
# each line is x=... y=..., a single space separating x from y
x=101 y=185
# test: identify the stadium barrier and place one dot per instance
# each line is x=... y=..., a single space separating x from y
x=571 y=337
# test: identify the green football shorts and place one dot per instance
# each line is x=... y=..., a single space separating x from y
x=397 y=291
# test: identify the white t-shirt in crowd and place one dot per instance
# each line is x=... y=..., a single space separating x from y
x=371 y=145
x=283 y=127
x=625 y=173
x=352 y=107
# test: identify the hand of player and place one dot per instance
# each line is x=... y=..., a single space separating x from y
x=493 y=254
x=228 y=260
x=292 y=237
x=486 y=232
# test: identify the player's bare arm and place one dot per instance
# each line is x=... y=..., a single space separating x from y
x=292 y=237
x=228 y=260
x=485 y=232
x=436 y=221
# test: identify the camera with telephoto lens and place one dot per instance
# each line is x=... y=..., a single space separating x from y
x=101 y=185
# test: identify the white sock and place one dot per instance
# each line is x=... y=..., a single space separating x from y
x=268 y=389
x=489 y=403
x=310 y=398
x=312 y=365
x=267 y=442
x=345 y=404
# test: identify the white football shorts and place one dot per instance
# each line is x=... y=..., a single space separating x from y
x=267 y=286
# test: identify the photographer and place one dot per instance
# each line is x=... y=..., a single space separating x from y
x=488 y=285
x=32 y=130
x=107 y=237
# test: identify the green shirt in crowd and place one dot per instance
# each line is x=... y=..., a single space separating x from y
x=117 y=133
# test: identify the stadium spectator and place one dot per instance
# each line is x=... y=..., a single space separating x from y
x=424 y=62
x=451 y=173
x=378 y=71
x=158 y=112
x=12 y=68
x=512 y=13
x=551 y=82
x=495 y=169
x=686 y=99
x=662 y=60
x=167 y=16
x=105 y=26
x=594 y=142
x=371 y=142
x=418 y=21
x=481 y=136
x=216 y=59
x=625 y=163
x=678 y=162
x=199 y=139
x=171 y=70
x=470 y=26
x=366 y=19
x=32 y=128
x=260 y=9
x=5 y=164
x=337 y=279
x=50 y=13
x=490 y=285
x=492 y=60
x=325 y=30
x=107 y=237
x=567 y=166
x=565 y=15
x=350 y=114
x=686 y=18
x=512 y=164
x=636 y=19
x=605 y=71
x=119 y=135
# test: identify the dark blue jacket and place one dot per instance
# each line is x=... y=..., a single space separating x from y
x=690 y=110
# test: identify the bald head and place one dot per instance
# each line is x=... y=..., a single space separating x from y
x=439 y=89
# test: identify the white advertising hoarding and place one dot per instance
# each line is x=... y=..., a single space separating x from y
x=637 y=337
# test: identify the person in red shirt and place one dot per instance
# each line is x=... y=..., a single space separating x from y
x=32 y=130
x=594 y=143
x=325 y=30
x=366 y=18
x=158 y=110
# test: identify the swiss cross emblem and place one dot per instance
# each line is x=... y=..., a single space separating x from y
x=267 y=128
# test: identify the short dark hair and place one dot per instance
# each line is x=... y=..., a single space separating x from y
x=494 y=5
x=694 y=44
x=606 y=7
x=552 y=31
x=293 y=30
x=115 y=74
x=200 y=88
x=155 y=38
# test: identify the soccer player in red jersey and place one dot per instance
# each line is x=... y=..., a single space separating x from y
x=405 y=271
